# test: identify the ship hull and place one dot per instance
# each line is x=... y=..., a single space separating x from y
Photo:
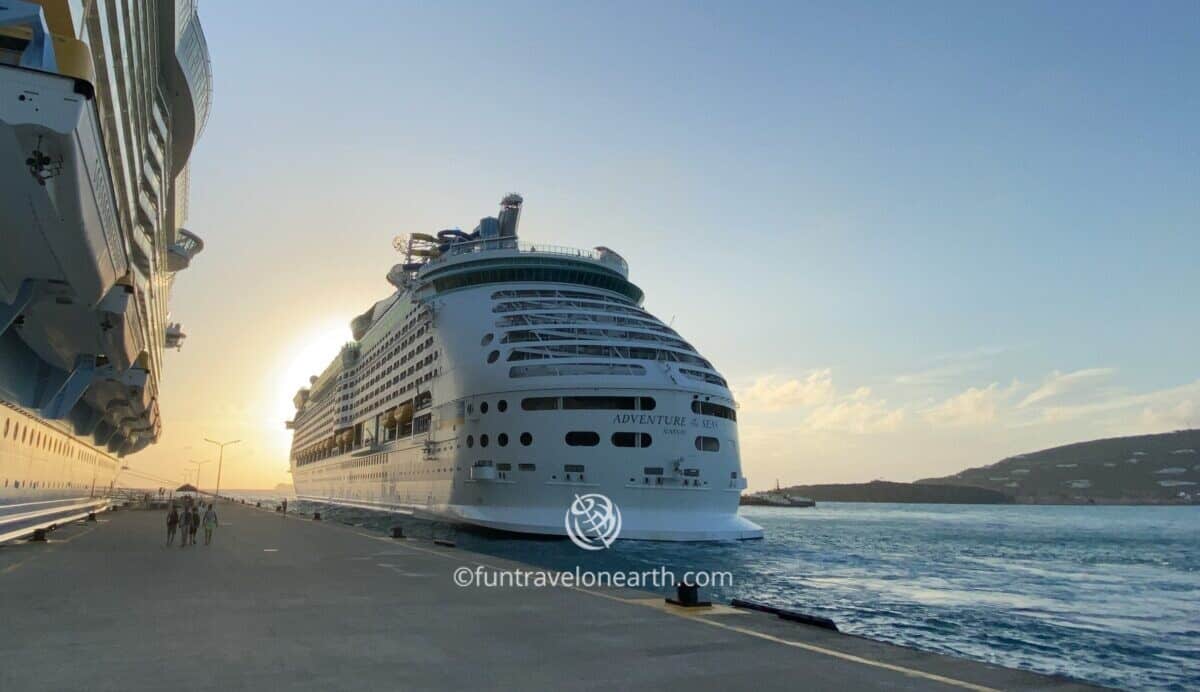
x=47 y=476
x=506 y=447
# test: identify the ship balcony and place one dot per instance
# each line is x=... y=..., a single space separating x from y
x=511 y=247
x=191 y=75
x=180 y=254
x=174 y=336
x=143 y=250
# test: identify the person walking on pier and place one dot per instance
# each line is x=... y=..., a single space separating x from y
x=172 y=524
x=210 y=522
x=195 y=525
x=185 y=524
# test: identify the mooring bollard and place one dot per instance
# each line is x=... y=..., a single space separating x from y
x=397 y=532
x=316 y=516
x=688 y=596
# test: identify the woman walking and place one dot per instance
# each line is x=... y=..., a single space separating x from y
x=172 y=524
x=195 y=525
x=185 y=523
x=210 y=522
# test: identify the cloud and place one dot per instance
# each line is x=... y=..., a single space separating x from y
x=1059 y=384
x=857 y=413
x=772 y=393
x=1172 y=416
x=818 y=405
x=975 y=406
x=951 y=367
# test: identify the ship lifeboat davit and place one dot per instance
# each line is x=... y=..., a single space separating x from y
x=60 y=220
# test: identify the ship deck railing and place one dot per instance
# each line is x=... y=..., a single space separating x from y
x=473 y=247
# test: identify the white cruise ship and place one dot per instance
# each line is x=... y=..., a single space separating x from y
x=502 y=380
x=101 y=103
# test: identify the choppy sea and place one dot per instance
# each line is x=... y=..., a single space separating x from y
x=1105 y=594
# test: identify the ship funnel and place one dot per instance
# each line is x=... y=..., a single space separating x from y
x=510 y=214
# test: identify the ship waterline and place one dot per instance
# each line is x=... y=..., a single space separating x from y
x=502 y=380
x=101 y=104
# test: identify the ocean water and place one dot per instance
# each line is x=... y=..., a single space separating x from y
x=1105 y=594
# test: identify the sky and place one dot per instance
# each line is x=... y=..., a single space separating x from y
x=915 y=237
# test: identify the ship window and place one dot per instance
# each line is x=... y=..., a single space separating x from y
x=470 y=441
x=652 y=471
x=483 y=407
x=708 y=444
x=540 y=403
x=493 y=356
x=631 y=439
x=573 y=468
x=576 y=369
x=504 y=467
x=526 y=439
x=483 y=440
x=582 y=438
x=487 y=339
x=708 y=408
x=608 y=403
x=502 y=405
x=527 y=467
x=704 y=377
x=502 y=439
x=646 y=403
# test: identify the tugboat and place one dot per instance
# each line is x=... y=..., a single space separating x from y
x=777 y=498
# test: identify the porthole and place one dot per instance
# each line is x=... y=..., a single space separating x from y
x=502 y=439
x=470 y=441
x=483 y=407
x=487 y=339
x=526 y=439
x=502 y=405
x=493 y=356
x=483 y=440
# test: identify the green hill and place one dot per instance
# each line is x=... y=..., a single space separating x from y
x=1142 y=469
x=884 y=491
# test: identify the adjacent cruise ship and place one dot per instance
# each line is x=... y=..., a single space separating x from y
x=101 y=103
x=501 y=380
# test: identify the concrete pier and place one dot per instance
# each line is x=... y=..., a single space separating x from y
x=285 y=603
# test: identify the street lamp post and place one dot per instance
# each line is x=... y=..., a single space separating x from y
x=220 y=459
x=198 y=465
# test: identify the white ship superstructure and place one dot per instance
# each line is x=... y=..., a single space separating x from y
x=101 y=102
x=503 y=379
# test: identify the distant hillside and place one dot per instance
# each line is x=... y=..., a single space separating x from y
x=884 y=491
x=1144 y=469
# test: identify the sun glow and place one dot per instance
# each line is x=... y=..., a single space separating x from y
x=310 y=355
